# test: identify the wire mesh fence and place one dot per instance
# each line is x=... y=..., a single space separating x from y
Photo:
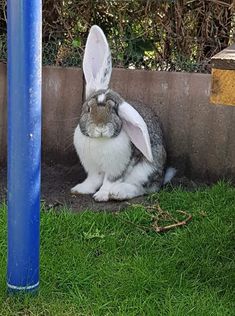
x=172 y=35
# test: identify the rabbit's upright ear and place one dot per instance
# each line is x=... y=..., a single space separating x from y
x=136 y=129
x=97 y=64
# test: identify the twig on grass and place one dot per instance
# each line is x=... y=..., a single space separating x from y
x=161 y=229
x=157 y=214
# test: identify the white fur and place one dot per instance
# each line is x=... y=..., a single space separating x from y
x=170 y=173
x=139 y=174
x=103 y=155
x=97 y=65
x=104 y=192
x=132 y=183
x=124 y=191
x=106 y=158
x=101 y=98
x=127 y=188
x=101 y=196
x=95 y=131
x=90 y=185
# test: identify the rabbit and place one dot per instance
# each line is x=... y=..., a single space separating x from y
x=120 y=146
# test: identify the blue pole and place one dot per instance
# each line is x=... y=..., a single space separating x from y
x=24 y=142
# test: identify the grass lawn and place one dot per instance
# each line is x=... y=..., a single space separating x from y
x=108 y=264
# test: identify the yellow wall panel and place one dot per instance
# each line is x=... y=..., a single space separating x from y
x=223 y=87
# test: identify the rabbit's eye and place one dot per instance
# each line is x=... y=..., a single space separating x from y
x=91 y=103
x=115 y=110
x=88 y=109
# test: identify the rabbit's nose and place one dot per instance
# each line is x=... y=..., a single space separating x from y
x=101 y=130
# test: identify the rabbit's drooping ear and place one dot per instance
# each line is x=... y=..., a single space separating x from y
x=136 y=128
x=97 y=64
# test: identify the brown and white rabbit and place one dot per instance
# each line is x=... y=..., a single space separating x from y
x=120 y=146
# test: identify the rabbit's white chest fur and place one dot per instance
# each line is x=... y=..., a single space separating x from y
x=103 y=155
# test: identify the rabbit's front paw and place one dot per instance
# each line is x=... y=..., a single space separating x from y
x=89 y=186
x=83 y=188
x=101 y=196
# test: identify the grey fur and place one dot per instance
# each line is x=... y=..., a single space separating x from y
x=156 y=178
x=88 y=123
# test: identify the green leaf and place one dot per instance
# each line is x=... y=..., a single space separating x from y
x=76 y=43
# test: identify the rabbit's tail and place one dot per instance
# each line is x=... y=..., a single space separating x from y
x=170 y=173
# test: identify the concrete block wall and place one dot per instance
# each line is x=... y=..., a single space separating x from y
x=199 y=135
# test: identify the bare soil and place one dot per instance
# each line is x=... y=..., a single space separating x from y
x=57 y=180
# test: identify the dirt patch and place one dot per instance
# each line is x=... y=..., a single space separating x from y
x=57 y=181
